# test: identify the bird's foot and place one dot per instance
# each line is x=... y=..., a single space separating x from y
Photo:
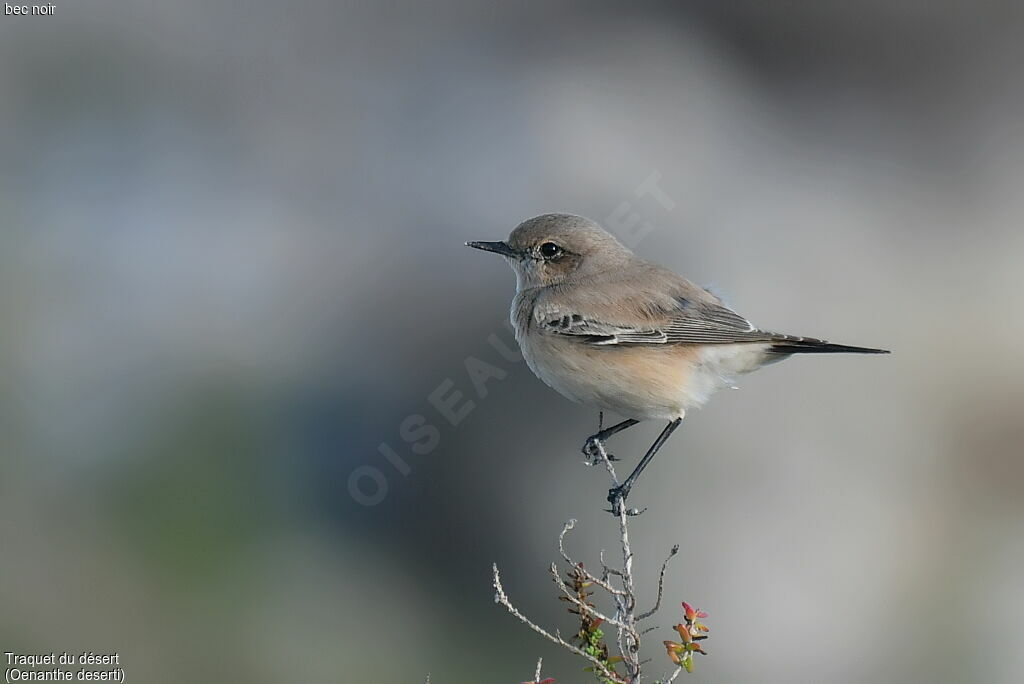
x=617 y=498
x=593 y=449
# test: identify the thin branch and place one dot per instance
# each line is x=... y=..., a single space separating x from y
x=628 y=639
x=569 y=524
x=599 y=447
x=536 y=674
x=619 y=582
x=632 y=639
x=672 y=677
x=502 y=598
x=582 y=605
x=607 y=570
x=601 y=582
x=661 y=585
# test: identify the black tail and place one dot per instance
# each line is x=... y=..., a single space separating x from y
x=809 y=345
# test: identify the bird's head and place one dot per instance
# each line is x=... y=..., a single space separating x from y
x=551 y=248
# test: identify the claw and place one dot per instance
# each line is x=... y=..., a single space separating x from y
x=617 y=497
x=629 y=511
x=591 y=449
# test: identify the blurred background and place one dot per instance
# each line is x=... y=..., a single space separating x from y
x=234 y=303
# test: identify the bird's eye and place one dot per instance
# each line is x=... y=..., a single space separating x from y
x=549 y=250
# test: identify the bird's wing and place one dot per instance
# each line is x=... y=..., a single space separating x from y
x=674 y=311
x=710 y=323
x=594 y=331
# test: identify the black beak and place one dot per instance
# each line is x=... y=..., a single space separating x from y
x=496 y=247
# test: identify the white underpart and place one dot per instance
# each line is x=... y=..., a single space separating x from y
x=718 y=367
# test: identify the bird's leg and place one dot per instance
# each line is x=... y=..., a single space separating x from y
x=599 y=437
x=617 y=495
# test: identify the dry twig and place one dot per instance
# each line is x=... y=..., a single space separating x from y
x=617 y=583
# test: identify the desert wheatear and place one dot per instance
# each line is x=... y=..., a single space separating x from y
x=608 y=329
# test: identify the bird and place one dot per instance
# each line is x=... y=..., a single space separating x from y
x=608 y=329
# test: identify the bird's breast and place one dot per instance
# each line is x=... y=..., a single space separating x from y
x=636 y=382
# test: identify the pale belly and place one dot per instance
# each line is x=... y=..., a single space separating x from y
x=639 y=382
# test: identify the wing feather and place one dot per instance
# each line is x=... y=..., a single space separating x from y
x=705 y=322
